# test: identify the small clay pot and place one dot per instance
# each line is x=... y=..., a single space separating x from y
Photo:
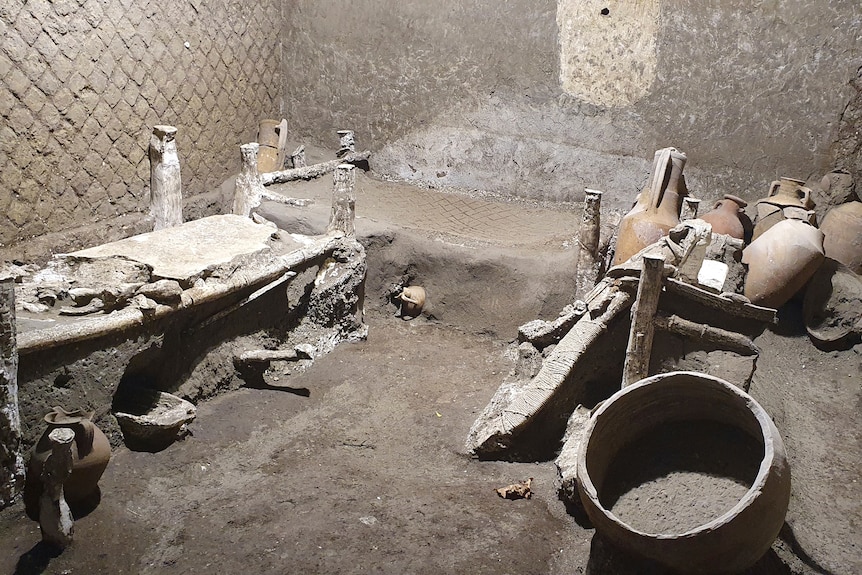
x=842 y=230
x=726 y=544
x=781 y=261
x=412 y=301
x=726 y=217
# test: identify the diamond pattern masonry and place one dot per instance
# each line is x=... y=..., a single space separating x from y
x=82 y=82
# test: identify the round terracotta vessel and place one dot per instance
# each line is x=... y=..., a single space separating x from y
x=657 y=208
x=726 y=217
x=726 y=544
x=412 y=301
x=781 y=261
x=267 y=155
x=91 y=452
x=842 y=231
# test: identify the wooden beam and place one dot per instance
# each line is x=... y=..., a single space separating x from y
x=639 y=348
x=721 y=303
x=166 y=188
x=589 y=262
x=720 y=338
x=11 y=461
x=312 y=171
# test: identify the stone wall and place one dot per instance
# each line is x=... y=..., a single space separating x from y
x=82 y=82
x=545 y=98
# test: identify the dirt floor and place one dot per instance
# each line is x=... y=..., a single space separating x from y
x=357 y=464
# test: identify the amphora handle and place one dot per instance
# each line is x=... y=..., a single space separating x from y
x=773 y=188
x=667 y=160
x=661 y=172
x=84 y=438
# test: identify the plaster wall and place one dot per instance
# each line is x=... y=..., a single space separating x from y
x=544 y=98
x=82 y=82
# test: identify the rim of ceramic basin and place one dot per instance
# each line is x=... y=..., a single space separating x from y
x=744 y=400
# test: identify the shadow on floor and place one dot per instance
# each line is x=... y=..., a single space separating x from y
x=786 y=534
x=36 y=560
x=605 y=558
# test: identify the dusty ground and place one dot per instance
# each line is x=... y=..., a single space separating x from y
x=357 y=466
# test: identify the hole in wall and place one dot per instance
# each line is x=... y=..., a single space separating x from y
x=605 y=12
x=63 y=380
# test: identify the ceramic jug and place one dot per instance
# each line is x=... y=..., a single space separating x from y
x=842 y=228
x=657 y=208
x=781 y=261
x=267 y=137
x=787 y=198
x=412 y=301
x=91 y=452
x=727 y=216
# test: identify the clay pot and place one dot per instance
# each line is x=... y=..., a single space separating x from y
x=787 y=198
x=91 y=452
x=657 y=208
x=781 y=261
x=842 y=230
x=728 y=543
x=267 y=155
x=412 y=301
x=727 y=216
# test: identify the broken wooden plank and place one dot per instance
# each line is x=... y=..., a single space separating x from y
x=678 y=246
x=690 y=207
x=542 y=333
x=567 y=460
x=286 y=277
x=312 y=171
x=297 y=158
x=302 y=351
x=720 y=302
x=511 y=410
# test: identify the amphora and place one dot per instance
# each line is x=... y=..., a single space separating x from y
x=727 y=217
x=842 y=228
x=787 y=199
x=267 y=155
x=91 y=452
x=657 y=208
x=781 y=261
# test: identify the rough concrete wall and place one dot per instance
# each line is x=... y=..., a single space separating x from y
x=520 y=96
x=847 y=149
x=82 y=82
